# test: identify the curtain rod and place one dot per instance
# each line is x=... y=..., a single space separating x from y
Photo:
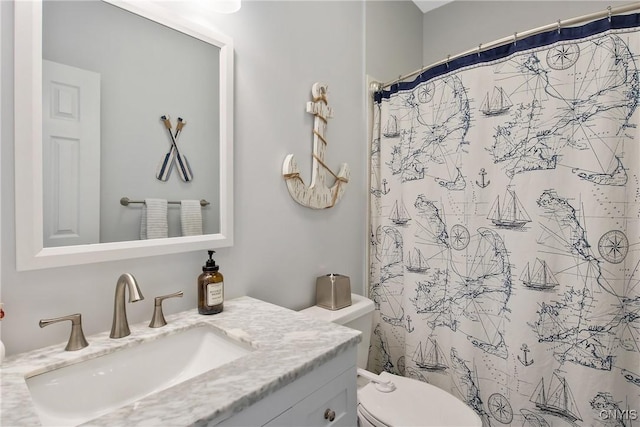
x=514 y=38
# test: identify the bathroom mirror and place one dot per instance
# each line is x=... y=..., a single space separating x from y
x=133 y=140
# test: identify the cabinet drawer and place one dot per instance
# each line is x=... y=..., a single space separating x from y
x=330 y=405
x=304 y=401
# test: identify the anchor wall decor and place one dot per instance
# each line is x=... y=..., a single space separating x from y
x=318 y=195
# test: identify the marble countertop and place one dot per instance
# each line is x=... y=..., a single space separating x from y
x=286 y=345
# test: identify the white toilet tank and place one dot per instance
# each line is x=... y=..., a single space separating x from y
x=359 y=316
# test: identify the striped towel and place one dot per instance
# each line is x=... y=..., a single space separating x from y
x=191 y=217
x=153 y=224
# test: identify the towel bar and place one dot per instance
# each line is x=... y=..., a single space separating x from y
x=125 y=202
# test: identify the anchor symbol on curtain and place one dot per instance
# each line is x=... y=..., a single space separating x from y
x=318 y=195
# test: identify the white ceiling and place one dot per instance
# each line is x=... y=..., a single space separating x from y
x=427 y=5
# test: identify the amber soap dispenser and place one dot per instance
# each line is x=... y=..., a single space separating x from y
x=210 y=288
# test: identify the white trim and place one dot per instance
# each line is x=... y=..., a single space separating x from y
x=1 y=119
x=30 y=253
x=369 y=106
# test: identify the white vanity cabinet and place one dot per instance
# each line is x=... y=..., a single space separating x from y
x=325 y=396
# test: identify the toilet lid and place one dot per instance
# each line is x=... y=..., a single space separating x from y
x=415 y=403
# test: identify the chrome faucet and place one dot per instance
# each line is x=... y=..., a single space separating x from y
x=120 y=326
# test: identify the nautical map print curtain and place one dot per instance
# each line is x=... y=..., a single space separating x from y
x=505 y=237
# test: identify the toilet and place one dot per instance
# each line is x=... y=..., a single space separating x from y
x=388 y=400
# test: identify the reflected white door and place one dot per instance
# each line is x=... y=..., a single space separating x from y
x=71 y=155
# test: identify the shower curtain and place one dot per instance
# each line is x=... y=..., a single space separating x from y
x=505 y=228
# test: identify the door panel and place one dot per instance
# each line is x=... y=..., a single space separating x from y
x=71 y=155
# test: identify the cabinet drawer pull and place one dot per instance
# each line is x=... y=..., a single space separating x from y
x=329 y=415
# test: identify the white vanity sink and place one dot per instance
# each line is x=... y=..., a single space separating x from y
x=250 y=364
x=81 y=392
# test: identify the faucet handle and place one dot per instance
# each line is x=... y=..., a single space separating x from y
x=77 y=340
x=157 y=320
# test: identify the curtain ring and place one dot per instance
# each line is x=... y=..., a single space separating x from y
x=609 y=12
x=515 y=38
x=448 y=57
x=558 y=26
x=479 y=48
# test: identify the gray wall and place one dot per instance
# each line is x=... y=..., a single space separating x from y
x=462 y=25
x=394 y=39
x=282 y=48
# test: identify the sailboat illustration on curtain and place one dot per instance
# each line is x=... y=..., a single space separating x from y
x=496 y=104
x=432 y=358
x=399 y=214
x=540 y=277
x=417 y=263
x=511 y=214
x=558 y=400
x=391 y=131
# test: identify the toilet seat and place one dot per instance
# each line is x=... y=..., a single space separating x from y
x=413 y=403
x=365 y=419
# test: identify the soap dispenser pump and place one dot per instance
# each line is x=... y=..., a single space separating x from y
x=210 y=288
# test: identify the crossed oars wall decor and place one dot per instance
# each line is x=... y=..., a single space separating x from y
x=173 y=155
x=318 y=195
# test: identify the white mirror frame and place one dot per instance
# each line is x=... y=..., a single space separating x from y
x=30 y=253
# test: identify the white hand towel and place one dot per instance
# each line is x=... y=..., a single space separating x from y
x=154 y=224
x=191 y=217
